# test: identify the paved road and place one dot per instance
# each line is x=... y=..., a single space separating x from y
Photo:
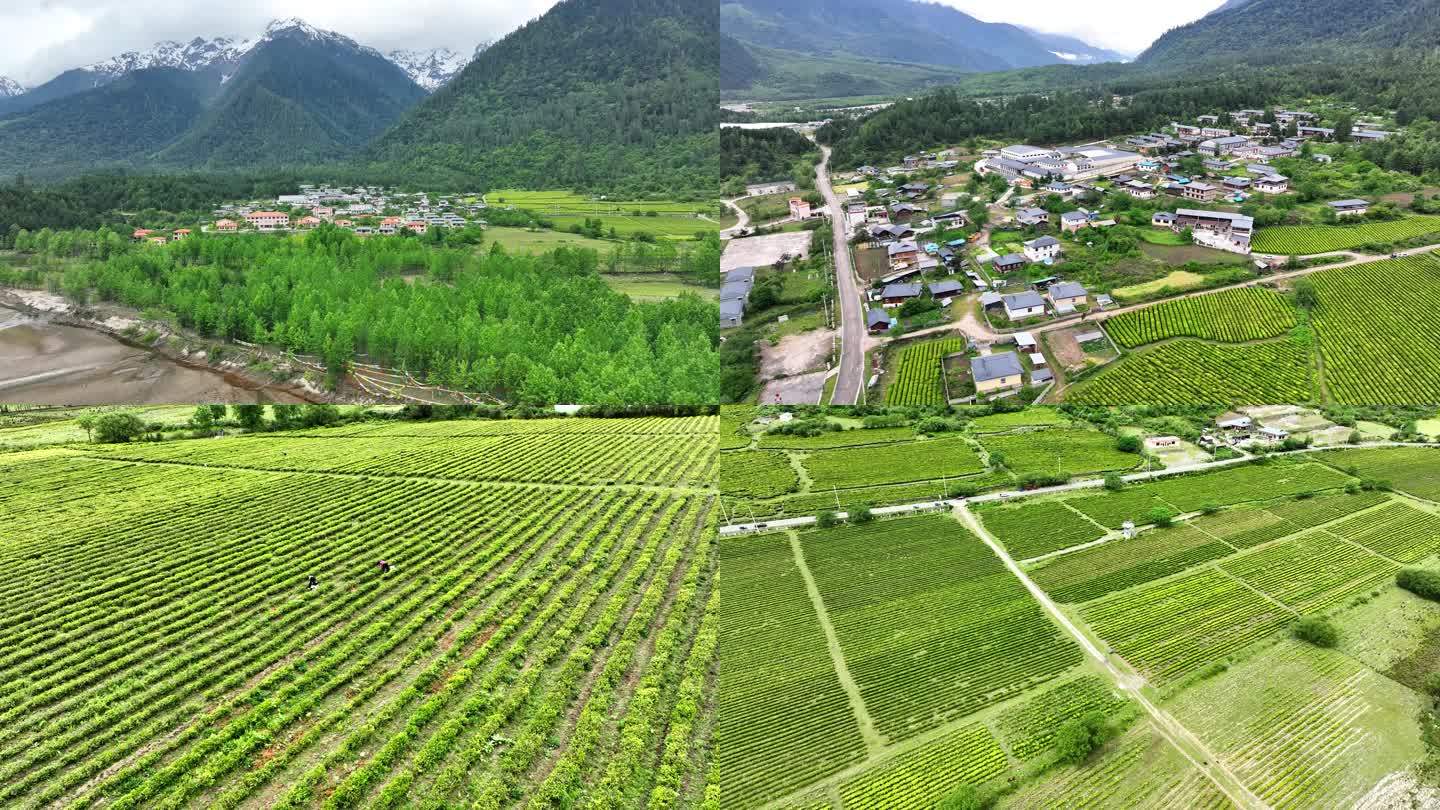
x=738 y=226
x=1088 y=483
x=850 y=383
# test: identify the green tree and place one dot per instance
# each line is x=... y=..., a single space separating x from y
x=1316 y=630
x=320 y=415
x=826 y=518
x=1114 y=482
x=115 y=428
x=250 y=417
x=1078 y=737
x=1160 y=516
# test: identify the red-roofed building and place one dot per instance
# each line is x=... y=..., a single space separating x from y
x=158 y=240
x=227 y=226
x=141 y=233
x=417 y=226
x=306 y=223
x=180 y=234
x=268 y=220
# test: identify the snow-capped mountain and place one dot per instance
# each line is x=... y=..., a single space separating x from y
x=431 y=68
x=9 y=87
x=197 y=54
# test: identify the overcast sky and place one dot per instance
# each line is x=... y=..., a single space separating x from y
x=39 y=39
x=1127 y=26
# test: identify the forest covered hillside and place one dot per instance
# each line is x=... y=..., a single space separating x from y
x=616 y=96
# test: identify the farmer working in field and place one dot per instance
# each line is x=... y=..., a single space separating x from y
x=384 y=567
x=313 y=582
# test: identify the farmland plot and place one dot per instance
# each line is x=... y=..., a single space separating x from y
x=1304 y=240
x=1118 y=564
x=838 y=438
x=1029 y=729
x=165 y=651
x=757 y=474
x=1414 y=470
x=924 y=591
x=1112 y=509
x=1308 y=512
x=1305 y=727
x=1170 y=629
x=893 y=463
x=784 y=721
x=1191 y=372
x=1231 y=316
x=1245 y=526
x=1246 y=482
x=1311 y=573
x=1058 y=450
x=1398 y=531
x=918 y=779
x=1380 y=348
x=1032 y=529
x=918 y=376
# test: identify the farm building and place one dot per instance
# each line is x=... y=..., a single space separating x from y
x=1025 y=342
x=896 y=294
x=1233 y=421
x=1009 y=263
x=1072 y=221
x=1139 y=190
x=877 y=320
x=1033 y=216
x=1349 y=208
x=743 y=275
x=1273 y=184
x=1163 y=219
x=731 y=313
x=905 y=251
x=888 y=233
x=1043 y=248
x=1067 y=295
x=996 y=372
x=1023 y=305
x=1217 y=229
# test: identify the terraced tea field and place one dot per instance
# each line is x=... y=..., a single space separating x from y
x=1303 y=240
x=1188 y=372
x=918 y=378
x=547 y=633
x=1232 y=316
x=1371 y=342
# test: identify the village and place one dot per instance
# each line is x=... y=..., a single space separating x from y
x=997 y=244
x=363 y=210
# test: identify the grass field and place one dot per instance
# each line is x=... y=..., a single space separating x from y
x=1176 y=280
x=657 y=286
x=892 y=463
x=1059 y=451
x=533 y=643
x=1307 y=239
x=665 y=219
x=60 y=426
x=520 y=240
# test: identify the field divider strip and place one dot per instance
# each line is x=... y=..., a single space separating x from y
x=874 y=740
x=1267 y=597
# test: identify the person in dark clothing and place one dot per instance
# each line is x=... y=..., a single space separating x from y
x=384 y=567
x=313 y=582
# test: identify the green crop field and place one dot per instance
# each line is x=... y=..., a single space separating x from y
x=1112 y=509
x=918 y=377
x=1172 y=628
x=1030 y=417
x=537 y=641
x=1398 y=531
x=786 y=722
x=837 y=438
x=893 y=463
x=919 y=779
x=1118 y=564
x=757 y=474
x=1308 y=512
x=1189 y=372
x=1371 y=321
x=1414 y=470
x=1247 y=482
x=1059 y=451
x=1232 y=316
x=1028 y=730
x=1245 y=527
x=1311 y=573
x=925 y=592
x=1030 y=530
x=1304 y=240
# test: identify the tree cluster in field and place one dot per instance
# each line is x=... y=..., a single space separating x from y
x=531 y=329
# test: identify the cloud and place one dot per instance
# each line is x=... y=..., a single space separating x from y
x=40 y=40
x=1127 y=26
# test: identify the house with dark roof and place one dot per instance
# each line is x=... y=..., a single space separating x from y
x=1032 y=216
x=743 y=275
x=1072 y=221
x=945 y=289
x=731 y=313
x=1043 y=248
x=1349 y=208
x=1023 y=305
x=896 y=294
x=1010 y=262
x=734 y=291
x=996 y=372
x=1067 y=295
x=877 y=320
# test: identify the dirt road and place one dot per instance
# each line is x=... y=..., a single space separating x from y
x=850 y=384
x=744 y=222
